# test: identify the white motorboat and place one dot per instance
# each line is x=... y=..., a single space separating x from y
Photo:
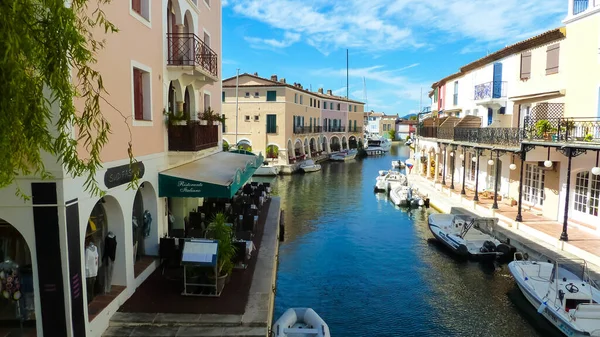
x=398 y=164
x=388 y=180
x=457 y=233
x=344 y=155
x=399 y=195
x=383 y=143
x=300 y=322
x=310 y=166
x=562 y=292
x=267 y=170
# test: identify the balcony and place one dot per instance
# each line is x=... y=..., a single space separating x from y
x=302 y=130
x=193 y=137
x=492 y=136
x=187 y=50
x=489 y=136
x=491 y=94
x=579 y=6
x=574 y=129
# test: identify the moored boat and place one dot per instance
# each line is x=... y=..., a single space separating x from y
x=457 y=233
x=562 y=292
x=267 y=170
x=310 y=166
x=398 y=164
x=300 y=322
x=344 y=155
x=388 y=180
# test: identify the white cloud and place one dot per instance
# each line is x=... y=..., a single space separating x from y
x=396 y=89
x=380 y=25
x=260 y=43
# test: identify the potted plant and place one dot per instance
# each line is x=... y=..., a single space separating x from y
x=176 y=118
x=210 y=116
x=588 y=137
x=219 y=230
x=513 y=202
x=543 y=128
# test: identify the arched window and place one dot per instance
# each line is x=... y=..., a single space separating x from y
x=587 y=193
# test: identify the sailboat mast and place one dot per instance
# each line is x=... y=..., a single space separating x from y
x=365 y=90
x=347 y=76
x=237 y=95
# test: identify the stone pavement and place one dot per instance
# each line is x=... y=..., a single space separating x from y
x=256 y=320
x=583 y=242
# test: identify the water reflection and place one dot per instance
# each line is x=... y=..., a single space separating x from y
x=368 y=269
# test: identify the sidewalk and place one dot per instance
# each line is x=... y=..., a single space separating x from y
x=582 y=243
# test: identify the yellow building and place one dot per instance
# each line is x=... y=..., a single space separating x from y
x=285 y=121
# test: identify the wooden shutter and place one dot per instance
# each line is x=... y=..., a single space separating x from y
x=526 y=65
x=136 y=5
x=138 y=94
x=552 y=59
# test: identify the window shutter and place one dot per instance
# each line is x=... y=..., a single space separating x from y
x=526 y=65
x=138 y=99
x=552 y=59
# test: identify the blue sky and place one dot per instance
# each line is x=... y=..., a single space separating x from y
x=398 y=46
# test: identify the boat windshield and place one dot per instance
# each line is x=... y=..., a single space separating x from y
x=570 y=269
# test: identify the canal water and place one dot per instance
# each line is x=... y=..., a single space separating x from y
x=371 y=269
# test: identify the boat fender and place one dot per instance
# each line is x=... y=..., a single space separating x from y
x=541 y=307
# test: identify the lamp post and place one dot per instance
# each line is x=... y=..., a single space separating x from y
x=463 y=192
x=237 y=97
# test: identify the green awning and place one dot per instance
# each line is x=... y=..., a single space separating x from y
x=216 y=176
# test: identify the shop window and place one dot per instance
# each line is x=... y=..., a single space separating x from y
x=16 y=277
x=95 y=240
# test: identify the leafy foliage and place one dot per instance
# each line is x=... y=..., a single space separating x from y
x=392 y=134
x=48 y=50
x=219 y=230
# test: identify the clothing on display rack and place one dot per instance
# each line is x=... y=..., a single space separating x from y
x=147 y=223
x=110 y=250
x=10 y=284
x=91 y=269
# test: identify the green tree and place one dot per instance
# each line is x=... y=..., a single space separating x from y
x=392 y=134
x=44 y=45
x=412 y=118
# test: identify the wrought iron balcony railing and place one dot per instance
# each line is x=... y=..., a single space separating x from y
x=193 y=137
x=427 y=131
x=573 y=129
x=446 y=133
x=299 y=130
x=492 y=136
x=335 y=129
x=579 y=6
x=490 y=90
x=187 y=49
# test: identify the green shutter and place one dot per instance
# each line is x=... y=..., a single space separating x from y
x=271 y=96
x=271 y=123
x=223 y=96
x=355 y=125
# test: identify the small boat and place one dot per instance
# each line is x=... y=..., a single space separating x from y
x=562 y=292
x=300 y=322
x=457 y=233
x=344 y=155
x=378 y=142
x=398 y=164
x=310 y=166
x=399 y=195
x=267 y=170
x=388 y=180
x=408 y=142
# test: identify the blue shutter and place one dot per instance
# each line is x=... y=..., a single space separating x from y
x=490 y=116
x=497 y=85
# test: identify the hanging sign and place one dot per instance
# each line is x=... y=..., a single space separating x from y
x=116 y=176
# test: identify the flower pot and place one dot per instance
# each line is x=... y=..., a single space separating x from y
x=228 y=279
x=513 y=202
x=179 y=122
x=203 y=122
x=221 y=280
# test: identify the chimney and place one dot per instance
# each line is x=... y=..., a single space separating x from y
x=295 y=84
x=274 y=78
x=256 y=74
x=299 y=85
x=282 y=80
x=320 y=90
x=329 y=92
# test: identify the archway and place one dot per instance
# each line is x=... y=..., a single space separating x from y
x=104 y=247
x=188 y=43
x=344 y=143
x=298 y=150
x=176 y=98
x=272 y=152
x=313 y=147
x=352 y=143
x=17 y=302
x=144 y=223
x=335 y=144
x=325 y=145
x=244 y=144
x=225 y=145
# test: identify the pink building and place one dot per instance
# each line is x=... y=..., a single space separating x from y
x=165 y=58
